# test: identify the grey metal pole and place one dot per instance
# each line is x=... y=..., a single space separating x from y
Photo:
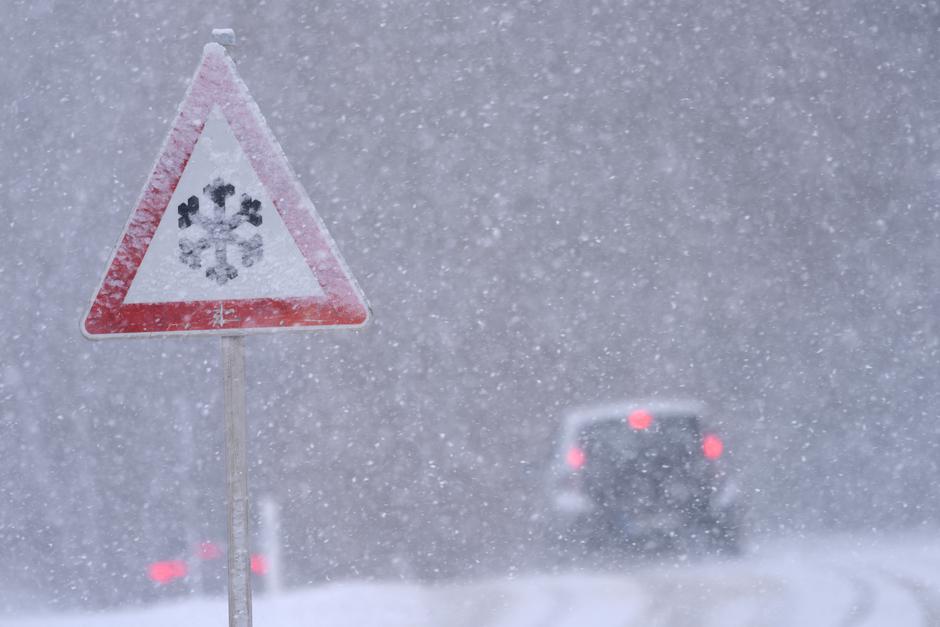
x=233 y=360
x=239 y=560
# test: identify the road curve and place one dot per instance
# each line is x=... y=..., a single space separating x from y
x=833 y=582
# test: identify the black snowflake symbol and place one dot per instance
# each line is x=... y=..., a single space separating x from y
x=220 y=231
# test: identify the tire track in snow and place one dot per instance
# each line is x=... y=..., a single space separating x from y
x=920 y=574
x=864 y=604
x=928 y=599
x=886 y=591
x=877 y=601
x=826 y=584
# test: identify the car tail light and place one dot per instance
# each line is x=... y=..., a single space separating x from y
x=575 y=458
x=167 y=571
x=712 y=446
x=259 y=565
x=640 y=419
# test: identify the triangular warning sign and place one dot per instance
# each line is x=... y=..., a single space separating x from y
x=223 y=239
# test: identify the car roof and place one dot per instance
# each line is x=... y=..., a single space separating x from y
x=577 y=418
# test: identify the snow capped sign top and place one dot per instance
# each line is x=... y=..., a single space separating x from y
x=223 y=238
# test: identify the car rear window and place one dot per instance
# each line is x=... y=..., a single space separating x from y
x=615 y=441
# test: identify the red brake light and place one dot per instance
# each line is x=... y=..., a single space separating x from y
x=259 y=565
x=640 y=419
x=165 y=572
x=712 y=446
x=575 y=458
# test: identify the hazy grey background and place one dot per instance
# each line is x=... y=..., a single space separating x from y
x=547 y=203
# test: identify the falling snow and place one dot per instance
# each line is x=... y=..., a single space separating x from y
x=551 y=206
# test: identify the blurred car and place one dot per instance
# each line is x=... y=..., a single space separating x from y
x=200 y=571
x=643 y=475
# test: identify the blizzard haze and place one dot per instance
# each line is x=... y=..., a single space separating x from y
x=549 y=205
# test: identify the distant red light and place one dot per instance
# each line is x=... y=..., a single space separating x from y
x=259 y=565
x=712 y=446
x=575 y=458
x=640 y=419
x=209 y=551
x=167 y=571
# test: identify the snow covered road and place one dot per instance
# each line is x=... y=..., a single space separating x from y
x=834 y=582
x=838 y=583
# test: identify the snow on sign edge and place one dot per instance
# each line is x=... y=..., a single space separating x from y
x=216 y=82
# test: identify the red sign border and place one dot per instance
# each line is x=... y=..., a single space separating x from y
x=216 y=83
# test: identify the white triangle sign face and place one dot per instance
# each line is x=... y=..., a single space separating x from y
x=224 y=239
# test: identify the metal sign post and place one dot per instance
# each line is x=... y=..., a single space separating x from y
x=224 y=241
x=236 y=465
x=239 y=560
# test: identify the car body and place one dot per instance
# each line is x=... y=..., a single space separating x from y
x=642 y=474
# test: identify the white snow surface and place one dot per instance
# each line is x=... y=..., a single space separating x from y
x=841 y=582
